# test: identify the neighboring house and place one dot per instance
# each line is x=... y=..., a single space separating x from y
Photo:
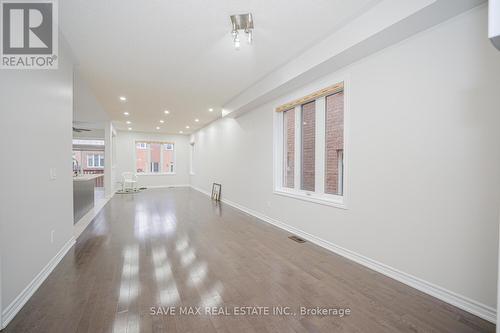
x=90 y=162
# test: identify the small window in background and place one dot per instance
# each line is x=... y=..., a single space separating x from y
x=141 y=157
x=334 y=145
x=168 y=158
x=289 y=148
x=308 y=145
x=90 y=161
x=155 y=158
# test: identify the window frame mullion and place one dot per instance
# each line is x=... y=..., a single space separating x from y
x=320 y=146
x=297 y=180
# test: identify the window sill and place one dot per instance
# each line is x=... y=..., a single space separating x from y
x=155 y=174
x=337 y=202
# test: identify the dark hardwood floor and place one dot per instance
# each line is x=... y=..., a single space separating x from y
x=175 y=247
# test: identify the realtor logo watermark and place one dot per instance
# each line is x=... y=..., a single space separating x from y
x=29 y=34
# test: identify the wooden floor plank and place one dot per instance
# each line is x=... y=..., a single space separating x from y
x=175 y=247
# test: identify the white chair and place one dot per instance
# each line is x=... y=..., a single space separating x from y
x=129 y=182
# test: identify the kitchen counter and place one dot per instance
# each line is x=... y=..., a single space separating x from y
x=83 y=194
x=83 y=178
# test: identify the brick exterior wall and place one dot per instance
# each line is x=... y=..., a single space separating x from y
x=141 y=160
x=308 y=145
x=168 y=160
x=289 y=141
x=334 y=141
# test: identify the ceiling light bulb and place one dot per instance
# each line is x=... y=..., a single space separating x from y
x=130 y=128
x=162 y=121
x=166 y=112
x=126 y=113
x=123 y=98
x=181 y=132
x=210 y=110
x=197 y=120
x=157 y=127
x=128 y=122
x=187 y=127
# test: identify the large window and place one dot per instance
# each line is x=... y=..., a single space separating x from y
x=154 y=157
x=310 y=152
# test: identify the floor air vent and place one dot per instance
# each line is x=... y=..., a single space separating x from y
x=297 y=239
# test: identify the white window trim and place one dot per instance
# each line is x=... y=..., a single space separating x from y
x=338 y=201
x=149 y=159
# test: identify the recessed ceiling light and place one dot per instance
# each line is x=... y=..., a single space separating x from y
x=157 y=127
x=187 y=127
x=210 y=110
x=197 y=120
x=162 y=121
x=181 y=132
x=126 y=113
x=123 y=98
x=128 y=122
x=166 y=112
x=130 y=128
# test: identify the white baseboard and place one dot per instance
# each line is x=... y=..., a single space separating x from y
x=13 y=308
x=476 y=308
x=166 y=186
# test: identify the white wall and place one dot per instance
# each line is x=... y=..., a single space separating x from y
x=35 y=128
x=125 y=157
x=424 y=155
x=86 y=106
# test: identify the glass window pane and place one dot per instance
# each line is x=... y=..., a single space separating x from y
x=102 y=160
x=141 y=155
x=334 y=136
x=168 y=158
x=308 y=118
x=289 y=148
x=155 y=149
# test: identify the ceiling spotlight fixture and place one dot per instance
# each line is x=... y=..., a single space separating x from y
x=126 y=113
x=123 y=98
x=181 y=132
x=162 y=121
x=242 y=22
x=128 y=122
x=157 y=127
x=166 y=112
x=187 y=127
x=130 y=128
x=197 y=120
x=210 y=110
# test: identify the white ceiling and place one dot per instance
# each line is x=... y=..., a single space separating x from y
x=178 y=55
